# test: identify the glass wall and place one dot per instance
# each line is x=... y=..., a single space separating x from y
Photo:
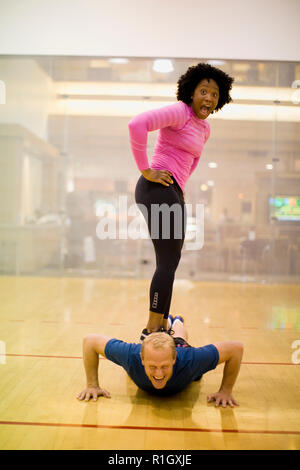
x=67 y=174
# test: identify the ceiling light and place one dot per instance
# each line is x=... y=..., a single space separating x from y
x=210 y=183
x=269 y=166
x=259 y=93
x=163 y=66
x=130 y=89
x=118 y=60
x=212 y=165
x=204 y=187
x=255 y=112
x=216 y=62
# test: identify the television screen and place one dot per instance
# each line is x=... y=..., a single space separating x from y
x=286 y=208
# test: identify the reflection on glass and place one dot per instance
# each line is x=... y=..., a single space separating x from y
x=64 y=153
x=285 y=208
x=284 y=318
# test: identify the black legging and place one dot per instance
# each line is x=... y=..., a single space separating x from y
x=167 y=238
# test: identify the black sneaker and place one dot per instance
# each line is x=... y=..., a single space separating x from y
x=170 y=331
x=146 y=333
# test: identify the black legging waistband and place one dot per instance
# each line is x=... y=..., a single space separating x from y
x=175 y=185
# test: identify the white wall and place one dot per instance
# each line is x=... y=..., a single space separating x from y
x=225 y=29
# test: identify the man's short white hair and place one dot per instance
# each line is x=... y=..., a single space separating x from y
x=159 y=341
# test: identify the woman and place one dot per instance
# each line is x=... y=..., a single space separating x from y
x=183 y=131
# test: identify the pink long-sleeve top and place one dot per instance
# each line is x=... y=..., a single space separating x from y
x=180 y=140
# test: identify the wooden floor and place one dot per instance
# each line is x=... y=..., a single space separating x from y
x=43 y=320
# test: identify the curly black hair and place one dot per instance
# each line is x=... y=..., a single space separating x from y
x=194 y=74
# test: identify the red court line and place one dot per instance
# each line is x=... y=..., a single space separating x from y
x=101 y=357
x=272 y=363
x=148 y=428
x=40 y=355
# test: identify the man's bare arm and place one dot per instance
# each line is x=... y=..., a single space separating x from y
x=231 y=353
x=93 y=345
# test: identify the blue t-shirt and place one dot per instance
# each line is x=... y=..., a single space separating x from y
x=191 y=364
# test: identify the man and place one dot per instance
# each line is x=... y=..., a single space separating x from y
x=163 y=364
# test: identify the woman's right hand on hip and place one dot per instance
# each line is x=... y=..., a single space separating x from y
x=158 y=176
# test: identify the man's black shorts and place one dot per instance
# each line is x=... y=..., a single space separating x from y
x=181 y=343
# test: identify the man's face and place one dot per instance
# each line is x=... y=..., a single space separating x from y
x=158 y=364
x=205 y=98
